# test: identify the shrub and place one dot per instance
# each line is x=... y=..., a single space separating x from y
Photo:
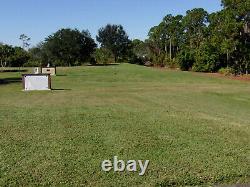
x=158 y=60
x=206 y=59
x=103 y=56
x=226 y=71
x=185 y=60
x=32 y=63
x=172 y=63
x=133 y=59
x=205 y=63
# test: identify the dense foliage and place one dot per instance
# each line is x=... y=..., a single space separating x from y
x=68 y=47
x=204 y=42
x=103 y=56
x=12 y=56
x=115 y=39
x=198 y=41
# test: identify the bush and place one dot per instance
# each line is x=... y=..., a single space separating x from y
x=92 y=61
x=206 y=63
x=57 y=63
x=172 y=63
x=103 y=56
x=206 y=59
x=32 y=63
x=158 y=60
x=226 y=71
x=185 y=60
x=133 y=59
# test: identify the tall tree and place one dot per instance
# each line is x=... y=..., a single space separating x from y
x=195 y=23
x=157 y=44
x=115 y=39
x=164 y=39
x=5 y=53
x=240 y=16
x=224 y=31
x=139 y=48
x=173 y=33
x=204 y=42
x=68 y=47
x=19 y=57
x=195 y=33
x=37 y=54
x=25 y=41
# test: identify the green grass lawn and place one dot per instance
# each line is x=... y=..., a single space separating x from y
x=194 y=129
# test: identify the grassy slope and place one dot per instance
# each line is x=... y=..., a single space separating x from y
x=194 y=129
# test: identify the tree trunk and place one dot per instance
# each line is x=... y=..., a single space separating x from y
x=170 y=49
x=246 y=67
x=227 y=57
x=3 y=64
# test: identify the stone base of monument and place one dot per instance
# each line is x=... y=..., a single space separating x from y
x=49 y=70
x=36 y=82
x=37 y=70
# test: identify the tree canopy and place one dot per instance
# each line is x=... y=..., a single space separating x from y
x=115 y=39
x=12 y=56
x=197 y=41
x=68 y=47
x=204 y=42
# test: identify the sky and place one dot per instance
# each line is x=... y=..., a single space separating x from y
x=40 y=18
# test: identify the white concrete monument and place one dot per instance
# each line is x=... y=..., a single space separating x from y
x=36 y=82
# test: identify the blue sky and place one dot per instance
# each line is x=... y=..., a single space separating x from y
x=40 y=18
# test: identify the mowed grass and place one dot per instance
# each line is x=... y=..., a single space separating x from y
x=194 y=129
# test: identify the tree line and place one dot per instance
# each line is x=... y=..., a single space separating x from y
x=197 y=41
x=69 y=47
x=200 y=41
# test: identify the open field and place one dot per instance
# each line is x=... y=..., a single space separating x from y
x=194 y=129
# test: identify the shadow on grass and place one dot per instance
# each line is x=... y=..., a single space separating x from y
x=61 y=75
x=13 y=70
x=10 y=80
x=113 y=64
x=60 y=89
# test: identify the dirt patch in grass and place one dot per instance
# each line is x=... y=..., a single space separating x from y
x=232 y=77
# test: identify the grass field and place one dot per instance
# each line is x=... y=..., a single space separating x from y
x=194 y=129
